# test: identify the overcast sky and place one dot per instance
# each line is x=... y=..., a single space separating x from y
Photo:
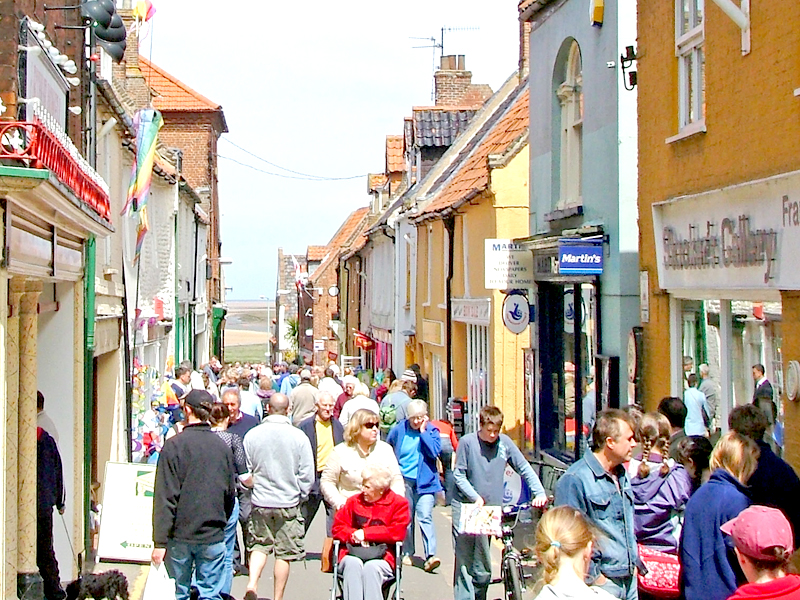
x=313 y=87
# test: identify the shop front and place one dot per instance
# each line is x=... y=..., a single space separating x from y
x=728 y=261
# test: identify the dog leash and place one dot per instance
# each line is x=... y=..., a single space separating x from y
x=77 y=559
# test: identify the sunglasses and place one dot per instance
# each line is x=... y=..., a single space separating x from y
x=371 y=425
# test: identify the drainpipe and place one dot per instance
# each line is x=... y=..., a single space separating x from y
x=177 y=287
x=88 y=389
x=193 y=344
x=450 y=226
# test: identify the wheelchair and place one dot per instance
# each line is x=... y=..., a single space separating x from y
x=391 y=587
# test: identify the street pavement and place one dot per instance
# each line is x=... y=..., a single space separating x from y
x=306 y=582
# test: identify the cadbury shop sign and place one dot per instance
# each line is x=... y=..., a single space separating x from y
x=745 y=237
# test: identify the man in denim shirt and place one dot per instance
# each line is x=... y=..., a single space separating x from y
x=598 y=486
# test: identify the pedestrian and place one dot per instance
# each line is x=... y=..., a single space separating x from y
x=675 y=410
x=359 y=401
x=709 y=569
x=280 y=459
x=481 y=462
x=291 y=381
x=564 y=544
x=349 y=384
x=264 y=391
x=774 y=482
x=341 y=477
x=383 y=388
x=303 y=398
x=219 y=424
x=598 y=486
x=240 y=424
x=763 y=395
x=330 y=385
x=43 y=420
x=422 y=383
x=417 y=445
x=250 y=402
x=696 y=409
x=710 y=390
x=449 y=447
x=394 y=403
x=193 y=500
x=369 y=525
x=49 y=494
x=762 y=539
x=694 y=453
x=324 y=433
x=661 y=487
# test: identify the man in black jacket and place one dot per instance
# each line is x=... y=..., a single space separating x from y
x=324 y=432
x=50 y=492
x=194 y=497
x=774 y=483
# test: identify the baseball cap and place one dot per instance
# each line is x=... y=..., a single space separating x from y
x=305 y=375
x=195 y=398
x=759 y=528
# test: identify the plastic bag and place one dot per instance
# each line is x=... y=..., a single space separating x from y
x=159 y=586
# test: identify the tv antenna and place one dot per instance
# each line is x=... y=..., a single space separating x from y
x=433 y=43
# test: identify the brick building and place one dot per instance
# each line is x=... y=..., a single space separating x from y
x=286 y=300
x=718 y=196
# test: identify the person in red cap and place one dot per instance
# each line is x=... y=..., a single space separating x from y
x=762 y=540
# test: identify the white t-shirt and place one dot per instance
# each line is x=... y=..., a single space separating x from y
x=357 y=403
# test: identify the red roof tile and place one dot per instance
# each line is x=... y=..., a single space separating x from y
x=473 y=175
x=352 y=225
x=316 y=253
x=394 y=153
x=172 y=93
x=377 y=181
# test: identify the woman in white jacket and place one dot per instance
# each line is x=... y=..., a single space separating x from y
x=341 y=477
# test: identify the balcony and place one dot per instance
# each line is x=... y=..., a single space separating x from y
x=41 y=144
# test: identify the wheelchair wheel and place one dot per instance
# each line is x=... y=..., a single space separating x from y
x=512 y=578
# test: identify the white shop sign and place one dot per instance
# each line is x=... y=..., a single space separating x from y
x=743 y=237
x=472 y=310
x=507 y=266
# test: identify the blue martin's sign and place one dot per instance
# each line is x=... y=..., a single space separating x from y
x=580 y=258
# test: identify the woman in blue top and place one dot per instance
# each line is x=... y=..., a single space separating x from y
x=710 y=570
x=417 y=445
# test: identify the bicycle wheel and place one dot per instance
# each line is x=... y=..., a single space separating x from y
x=512 y=578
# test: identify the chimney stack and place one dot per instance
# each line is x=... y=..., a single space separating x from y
x=524 y=48
x=452 y=81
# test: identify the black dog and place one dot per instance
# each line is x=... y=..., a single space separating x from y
x=110 y=585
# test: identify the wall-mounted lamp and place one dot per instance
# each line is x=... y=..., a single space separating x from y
x=34 y=26
x=629 y=79
x=75 y=110
x=74 y=81
x=70 y=67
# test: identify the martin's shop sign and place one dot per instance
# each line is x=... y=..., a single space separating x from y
x=743 y=237
x=580 y=256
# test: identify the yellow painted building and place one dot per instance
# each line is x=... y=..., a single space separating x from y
x=719 y=187
x=461 y=342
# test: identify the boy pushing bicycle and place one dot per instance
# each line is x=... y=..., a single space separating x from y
x=480 y=464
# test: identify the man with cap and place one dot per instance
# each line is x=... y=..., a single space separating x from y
x=193 y=499
x=762 y=539
x=303 y=398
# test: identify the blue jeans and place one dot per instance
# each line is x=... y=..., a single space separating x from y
x=624 y=588
x=206 y=561
x=473 y=564
x=421 y=507
x=230 y=542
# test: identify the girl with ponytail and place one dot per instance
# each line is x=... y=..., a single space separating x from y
x=661 y=487
x=564 y=541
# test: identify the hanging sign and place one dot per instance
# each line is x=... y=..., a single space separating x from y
x=507 y=266
x=516 y=313
x=580 y=257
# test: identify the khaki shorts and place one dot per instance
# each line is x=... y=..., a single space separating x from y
x=278 y=530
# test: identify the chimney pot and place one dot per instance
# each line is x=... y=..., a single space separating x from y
x=461 y=62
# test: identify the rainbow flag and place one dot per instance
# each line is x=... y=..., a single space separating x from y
x=147 y=122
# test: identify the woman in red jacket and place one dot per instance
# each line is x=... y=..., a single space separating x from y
x=369 y=525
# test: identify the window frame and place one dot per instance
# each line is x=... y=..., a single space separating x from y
x=571 y=107
x=690 y=52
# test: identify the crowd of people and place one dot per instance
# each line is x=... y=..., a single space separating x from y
x=655 y=508
x=653 y=511
x=263 y=449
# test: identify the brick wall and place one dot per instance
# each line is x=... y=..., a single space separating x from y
x=452 y=82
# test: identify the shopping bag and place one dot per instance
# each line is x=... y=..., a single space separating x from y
x=158 y=586
x=327 y=556
x=663 y=573
x=480 y=520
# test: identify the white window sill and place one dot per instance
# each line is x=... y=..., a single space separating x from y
x=426 y=304
x=442 y=306
x=688 y=131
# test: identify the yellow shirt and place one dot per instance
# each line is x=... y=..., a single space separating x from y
x=324 y=442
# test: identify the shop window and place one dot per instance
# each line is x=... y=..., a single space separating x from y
x=689 y=48
x=570 y=97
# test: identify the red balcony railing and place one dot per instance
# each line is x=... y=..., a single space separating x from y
x=33 y=145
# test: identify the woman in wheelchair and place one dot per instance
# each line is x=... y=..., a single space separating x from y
x=368 y=528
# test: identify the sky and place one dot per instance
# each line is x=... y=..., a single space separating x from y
x=314 y=87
